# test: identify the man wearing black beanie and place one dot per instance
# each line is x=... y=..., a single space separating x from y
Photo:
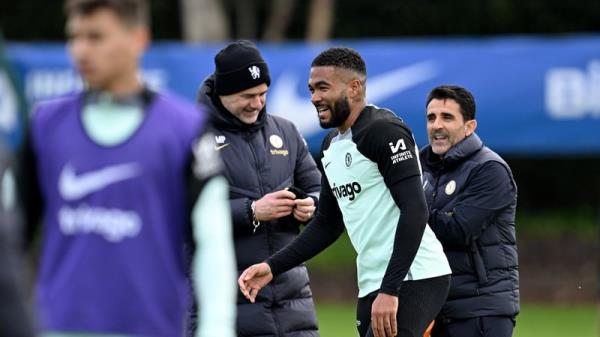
x=239 y=66
x=274 y=188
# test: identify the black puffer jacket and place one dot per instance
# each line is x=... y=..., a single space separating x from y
x=472 y=199
x=264 y=157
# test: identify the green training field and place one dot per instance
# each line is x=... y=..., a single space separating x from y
x=336 y=320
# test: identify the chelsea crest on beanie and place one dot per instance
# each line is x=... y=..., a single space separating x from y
x=239 y=66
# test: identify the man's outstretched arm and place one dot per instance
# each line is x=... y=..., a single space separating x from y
x=320 y=233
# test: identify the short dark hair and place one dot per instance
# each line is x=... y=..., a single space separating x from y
x=462 y=96
x=341 y=57
x=131 y=12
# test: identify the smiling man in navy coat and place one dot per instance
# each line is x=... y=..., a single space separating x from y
x=472 y=199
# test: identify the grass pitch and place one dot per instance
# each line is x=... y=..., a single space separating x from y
x=535 y=320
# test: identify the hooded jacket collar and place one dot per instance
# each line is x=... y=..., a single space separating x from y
x=221 y=118
x=457 y=153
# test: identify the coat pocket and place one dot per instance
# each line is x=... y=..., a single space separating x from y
x=478 y=264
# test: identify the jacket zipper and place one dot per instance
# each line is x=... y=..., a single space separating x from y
x=434 y=194
x=435 y=188
x=260 y=188
x=268 y=230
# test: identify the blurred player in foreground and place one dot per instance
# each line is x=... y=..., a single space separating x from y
x=122 y=177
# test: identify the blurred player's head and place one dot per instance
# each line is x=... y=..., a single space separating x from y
x=450 y=117
x=337 y=82
x=242 y=80
x=106 y=40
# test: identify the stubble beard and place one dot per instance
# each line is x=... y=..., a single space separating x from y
x=339 y=114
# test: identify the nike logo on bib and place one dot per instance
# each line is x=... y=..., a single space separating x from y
x=72 y=187
x=219 y=147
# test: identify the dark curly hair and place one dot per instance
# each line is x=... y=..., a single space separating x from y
x=341 y=57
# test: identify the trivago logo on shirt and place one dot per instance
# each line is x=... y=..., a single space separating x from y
x=111 y=223
x=349 y=190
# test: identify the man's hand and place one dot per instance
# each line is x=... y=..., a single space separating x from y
x=253 y=279
x=274 y=205
x=304 y=210
x=383 y=315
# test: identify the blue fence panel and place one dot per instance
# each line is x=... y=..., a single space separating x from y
x=535 y=95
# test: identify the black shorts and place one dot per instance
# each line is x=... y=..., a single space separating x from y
x=483 y=326
x=419 y=302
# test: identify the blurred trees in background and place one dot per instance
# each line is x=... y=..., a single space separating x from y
x=204 y=20
x=314 y=20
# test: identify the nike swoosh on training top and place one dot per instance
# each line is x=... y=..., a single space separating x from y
x=219 y=147
x=73 y=187
x=327 y=164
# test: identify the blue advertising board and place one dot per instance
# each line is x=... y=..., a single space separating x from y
x=535 y=95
